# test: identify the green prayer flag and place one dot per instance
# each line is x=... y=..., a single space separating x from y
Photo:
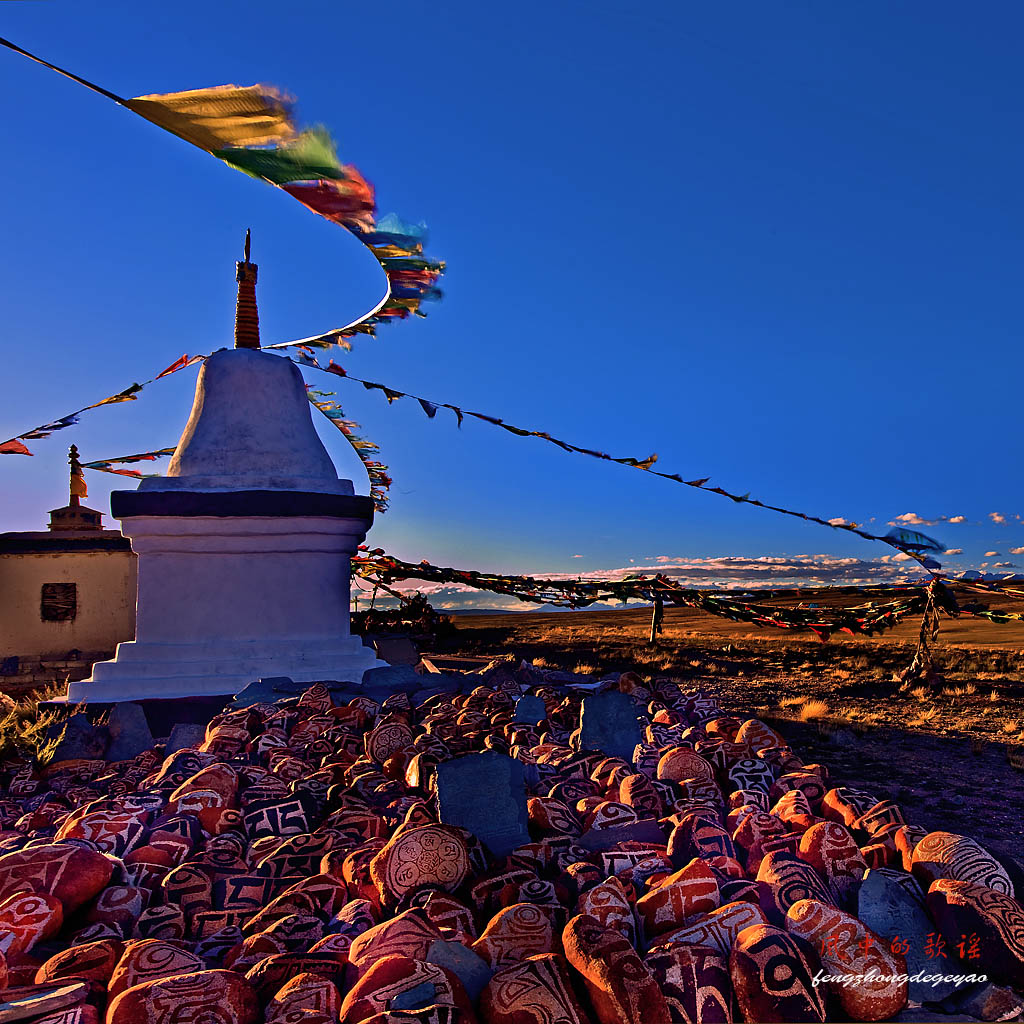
x=309 y=157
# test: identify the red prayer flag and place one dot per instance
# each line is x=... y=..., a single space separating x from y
x=14 y=447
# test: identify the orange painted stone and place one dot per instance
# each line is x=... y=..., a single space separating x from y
x=213 y=786
x=791 y=879
x=809 y=784
x=385 y=983
x=681 y=763
x=636 y=791
x=877 y=816
x=251 y=950
x=304 y=904
x=730 y=867
x=274 y=972
x=546 y=814
x=845 y=946
x=699 y=834
x=717 y=930
x=965 y=909
x=756 y=735
x=201 y=997
x=428 y=855
x=302 y=995
x=27 y=918
x=297 y=932
x=772 y=976
x=609 y=814
x=687 y=892
x=694 y=981
x=515 y=933
x=947 y=855
x=386 y=739
x=452 y=917
x=845 y=805
x=610 y=904
x=355 y=870
x=535 y=991
x=72 y=874
x=905 y=838
x=148 y=959
x=112 y=831
x=407 y=934
x=188 y=886
x=91 y=961
x=621 y=988
x=832 y=851
x=757 y=834
x=119 y=905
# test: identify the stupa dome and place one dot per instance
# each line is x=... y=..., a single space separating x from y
x=250 y=429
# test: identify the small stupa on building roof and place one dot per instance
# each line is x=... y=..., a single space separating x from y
x=245 y=546
x=74 y=516
x=67 y=593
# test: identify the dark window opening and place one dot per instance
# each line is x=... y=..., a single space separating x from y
x=58 y=602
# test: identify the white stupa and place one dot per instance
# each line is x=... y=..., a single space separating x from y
x=245 y=546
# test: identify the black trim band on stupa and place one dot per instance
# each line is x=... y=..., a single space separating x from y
x=124 y=504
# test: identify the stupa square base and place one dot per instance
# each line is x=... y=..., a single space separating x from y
x=141 y=671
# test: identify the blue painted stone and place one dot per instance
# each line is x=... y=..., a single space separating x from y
x=485 y=794
x=608 y=723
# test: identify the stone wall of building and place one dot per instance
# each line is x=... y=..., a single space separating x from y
x=59 y=606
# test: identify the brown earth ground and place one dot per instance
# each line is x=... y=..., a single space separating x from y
x=951 y=754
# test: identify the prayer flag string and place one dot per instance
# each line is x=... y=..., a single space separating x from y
x=379 y=568
x=916 y=545
x=14 y=446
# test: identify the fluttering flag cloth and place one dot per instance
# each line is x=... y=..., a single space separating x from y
x=14 y=447
x=222 y=117
x=252 y=128
x=377 y=472
x=107 y=465
x=911 y=540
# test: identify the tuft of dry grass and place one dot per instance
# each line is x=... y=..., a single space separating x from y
x=1011 y=725
x=23 y=729
x=788 y=702
x=929 y=713
x=541 y=663
x=994 y=695
x=812 y=709
x=958 y=691
x=584 y=668
x=920 y=692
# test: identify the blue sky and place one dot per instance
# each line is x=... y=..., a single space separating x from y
x=780 y=245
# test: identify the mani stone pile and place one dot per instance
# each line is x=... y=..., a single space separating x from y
x=504 y=848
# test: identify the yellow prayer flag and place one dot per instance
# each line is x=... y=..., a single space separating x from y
x=220 y=117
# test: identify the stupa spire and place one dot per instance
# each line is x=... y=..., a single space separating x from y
x=247 y=316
